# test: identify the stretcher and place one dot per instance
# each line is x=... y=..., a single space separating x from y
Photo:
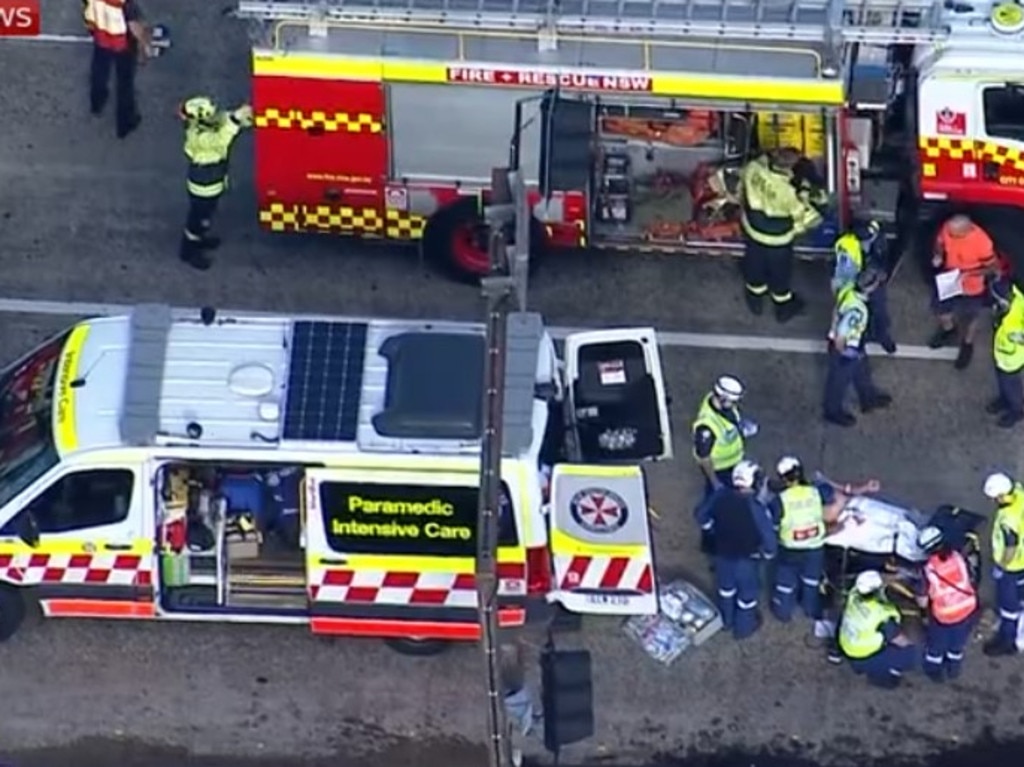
x=877 y=534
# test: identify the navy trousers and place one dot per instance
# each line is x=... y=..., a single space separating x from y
x=738 y=581
x=798 y=574
x=944 y=647
x=1009 y=595
x=887 y=665
x=1011 y=391
x=879 y=319
x=844 y=372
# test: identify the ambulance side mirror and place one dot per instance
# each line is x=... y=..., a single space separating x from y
x=27 y=529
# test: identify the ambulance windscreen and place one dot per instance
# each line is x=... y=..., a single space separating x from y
x=27 y=449
x=410 y=520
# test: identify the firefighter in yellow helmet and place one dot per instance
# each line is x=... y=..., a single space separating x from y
x=209 y=134
x=775 y=213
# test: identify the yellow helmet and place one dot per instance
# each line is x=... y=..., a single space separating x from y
x=201 y=108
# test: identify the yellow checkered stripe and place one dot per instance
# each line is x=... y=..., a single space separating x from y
x=280 y=217
x=350 y=122
x=403 y=226
x=957 y=149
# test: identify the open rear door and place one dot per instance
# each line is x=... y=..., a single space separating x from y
x=618 y=395
x=601 y=549
x=566 y=147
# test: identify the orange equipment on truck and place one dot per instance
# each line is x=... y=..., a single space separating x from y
x=382 y=120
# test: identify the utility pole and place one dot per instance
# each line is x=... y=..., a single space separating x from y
x=504 y=291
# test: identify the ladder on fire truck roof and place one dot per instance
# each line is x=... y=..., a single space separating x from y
x=830 y=22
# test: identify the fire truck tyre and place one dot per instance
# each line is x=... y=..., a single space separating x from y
x=421 y=648
x=455 y=240
x=12 y=612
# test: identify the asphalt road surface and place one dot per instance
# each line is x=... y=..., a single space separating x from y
x=84 y=217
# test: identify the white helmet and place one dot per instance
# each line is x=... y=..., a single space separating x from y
x=868 y=582
x=930 y=538
x=787 y=464
x=744 y=475
x=997 y=485
x=728 y=389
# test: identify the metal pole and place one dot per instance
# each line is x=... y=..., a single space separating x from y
x=498 y=290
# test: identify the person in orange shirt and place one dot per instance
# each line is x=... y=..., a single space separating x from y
x=963 y=245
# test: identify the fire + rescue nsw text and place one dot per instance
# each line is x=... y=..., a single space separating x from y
x=435 y=507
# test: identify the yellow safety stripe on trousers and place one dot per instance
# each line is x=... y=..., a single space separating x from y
x=956 y=149
x=65 y=431
x=351 y=122
x=807 y=91
x=403 y=226
x=279 y=216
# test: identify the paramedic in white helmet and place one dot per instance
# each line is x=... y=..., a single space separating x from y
x=719 y=432
x=802 y=512
x=870 y=636
x=743 y=537
x=1007 y=559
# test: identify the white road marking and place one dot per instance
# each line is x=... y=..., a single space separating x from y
x=668 y=338
x=51 y=38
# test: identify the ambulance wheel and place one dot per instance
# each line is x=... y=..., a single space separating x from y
x=12 y=612
x=419 y=648
x=455 y=239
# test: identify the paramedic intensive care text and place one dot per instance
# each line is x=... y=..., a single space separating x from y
x=435 y=509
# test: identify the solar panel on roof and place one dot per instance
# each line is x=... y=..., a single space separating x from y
x=325 y=381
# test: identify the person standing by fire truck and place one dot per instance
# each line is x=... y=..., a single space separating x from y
x=1008 y=353
x=962 y=246
x=861 y=247
x=209 y=134
x=120 y=41
x=774 y=215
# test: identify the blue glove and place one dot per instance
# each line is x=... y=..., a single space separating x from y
x=748 y=428
x=997 y=572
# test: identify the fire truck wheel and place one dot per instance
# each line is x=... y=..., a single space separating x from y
x=12 y=612
x=421 y=648
x=455 y=239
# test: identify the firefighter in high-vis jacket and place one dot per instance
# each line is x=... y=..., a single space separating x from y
x=775 y=214
x=209 y=134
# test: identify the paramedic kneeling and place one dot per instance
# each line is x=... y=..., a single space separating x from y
x=951 y=604
x=743 y=532
x=870 y=635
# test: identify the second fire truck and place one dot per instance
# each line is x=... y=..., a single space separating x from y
x=629 y=121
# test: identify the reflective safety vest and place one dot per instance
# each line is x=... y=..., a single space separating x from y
x=107 y=23
x=849 y=302
x=1008 y=339
x=860 y=634
x=803 y=518
x=208 y=149
x=1010 y=517
x=951 y=595
x=728 y=448
x=773 y=213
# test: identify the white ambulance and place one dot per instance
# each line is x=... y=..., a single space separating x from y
x=323 y=472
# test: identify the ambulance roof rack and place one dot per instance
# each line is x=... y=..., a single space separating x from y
x=833 y=22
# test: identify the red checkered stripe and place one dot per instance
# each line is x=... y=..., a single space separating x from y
x=97 y=569
x=626 y=573
x=395 y=587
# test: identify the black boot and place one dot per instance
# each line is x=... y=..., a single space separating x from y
x=878 y=401
x=125 y=130
x=1009 y=420
x=755 y=303
x=997 y=647
x=995 y=406
x=841 y=419
x=941 y=337
x=787 y=310
x=191 y=252
x=964 y=356
x=210 y=242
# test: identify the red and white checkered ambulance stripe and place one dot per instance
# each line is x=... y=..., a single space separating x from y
x=608 y=573
x=97 y=569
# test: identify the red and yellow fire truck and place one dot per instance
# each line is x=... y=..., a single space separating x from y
x=629 y=121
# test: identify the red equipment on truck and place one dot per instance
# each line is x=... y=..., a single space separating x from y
x=628 y=121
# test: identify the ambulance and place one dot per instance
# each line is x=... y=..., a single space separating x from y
x=630 y=121
x=324 y=472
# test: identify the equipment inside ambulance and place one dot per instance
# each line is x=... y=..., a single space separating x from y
x=323 y=473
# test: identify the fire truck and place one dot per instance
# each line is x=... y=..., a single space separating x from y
x=629 y=121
